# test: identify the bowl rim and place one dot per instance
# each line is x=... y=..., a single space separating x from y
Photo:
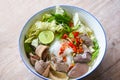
x=65 y=5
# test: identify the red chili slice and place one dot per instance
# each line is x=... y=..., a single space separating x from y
x=77 y=40
x=64 y=36
x=72 y=46
x=62 y=49
x=75 y=34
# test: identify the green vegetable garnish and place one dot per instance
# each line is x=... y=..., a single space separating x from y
x=96 y=52
x=67 y=28
x=59 y=35
x=28 y=48
x=75 y=27
x=96 y=46
x=51 y=19
x=71 y=35
x=32 y=34
x=62 y=18
x=45 y=17
x=29 y=40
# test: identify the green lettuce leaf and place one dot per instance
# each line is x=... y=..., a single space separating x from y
x=76 y=19
x=59 y=10
x=96 y=52
x=96 y=45
x=32 y=34
x=47 y=18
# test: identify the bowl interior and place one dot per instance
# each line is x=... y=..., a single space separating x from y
x=86 y=17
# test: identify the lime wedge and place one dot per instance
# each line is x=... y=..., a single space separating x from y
x=46 y=37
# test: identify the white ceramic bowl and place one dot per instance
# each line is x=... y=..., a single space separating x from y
x=86 y=17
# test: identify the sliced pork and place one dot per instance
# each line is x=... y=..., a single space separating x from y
x=82 y=58
x=87 y=41
x=38 y=67
x=46 y=72
x=42 y=52
x=86 y=49
x=78 y=70
x=61 y=66
x=33 y=58
x=56 y=59
x=42 y=67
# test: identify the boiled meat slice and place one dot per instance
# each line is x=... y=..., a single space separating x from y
x=42 y=67
x=84 y=58
x=61 y=67
x=78 y=70
x=87 y=41
x=33 y=58
x=42 y=52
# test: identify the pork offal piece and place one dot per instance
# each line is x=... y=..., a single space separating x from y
x=56 y=59
x=42 y=67
x=86 y=49
x=85 y=57
x=38 y=67
x=41 y=51
x=33 y=58
x=78 y=70
x=46 y=72
x=82 y=58
x=87 y=41
x=61 y=66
